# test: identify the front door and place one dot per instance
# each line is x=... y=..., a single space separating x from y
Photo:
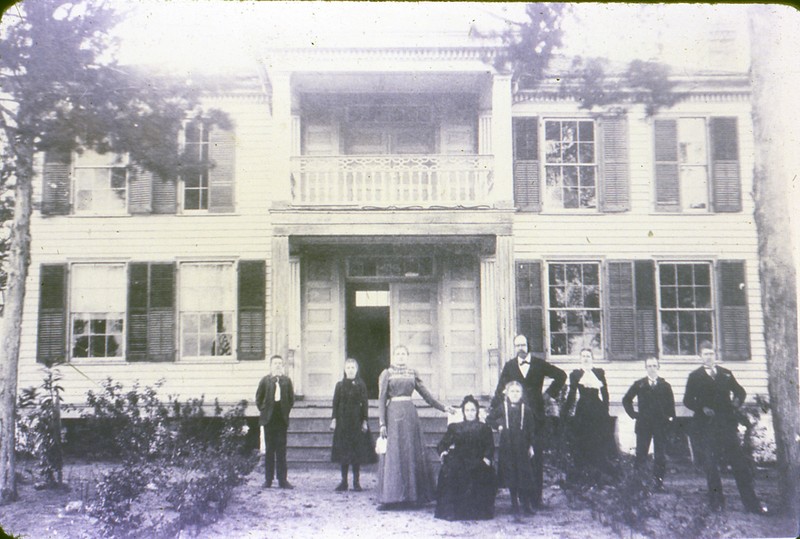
x=413 y=322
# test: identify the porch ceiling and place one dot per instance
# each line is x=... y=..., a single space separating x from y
x=388 y=244
x=387 y=82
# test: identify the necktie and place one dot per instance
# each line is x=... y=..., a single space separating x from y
x=712 y=372
x=652 y=383
x=277 y=389
x=525 y=363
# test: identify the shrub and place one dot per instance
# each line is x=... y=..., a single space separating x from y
x=759 y=433
x=39 y=427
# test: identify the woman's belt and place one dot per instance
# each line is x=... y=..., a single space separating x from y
x=401 y=398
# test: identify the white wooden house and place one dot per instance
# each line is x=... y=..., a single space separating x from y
x=368 y=197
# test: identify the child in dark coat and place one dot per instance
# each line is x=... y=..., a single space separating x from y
x=514 y=420
x=352 y=442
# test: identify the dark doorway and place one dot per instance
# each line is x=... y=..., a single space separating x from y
x=367 y=323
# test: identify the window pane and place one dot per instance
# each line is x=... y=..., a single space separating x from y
x=206 y=343
x=97 y=346
x=702 y=274
x=586 y=131
x=666 y=274
x=685 y=297
x=189 y=344
x=592 y=297
x=570 y=153
x=191 y=199
x=81 y=347
x=558 y=344
x=113 y=349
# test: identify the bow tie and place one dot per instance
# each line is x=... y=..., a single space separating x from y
x=524 y=362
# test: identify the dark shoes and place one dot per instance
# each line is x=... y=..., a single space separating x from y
x=341 y=487
x=357 y=487
x=286 y=485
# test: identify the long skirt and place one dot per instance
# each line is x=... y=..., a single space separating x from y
x=467 y=490
x=404 y=473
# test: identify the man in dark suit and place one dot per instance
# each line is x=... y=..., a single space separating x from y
x=275 y=398
x=713 y=394
x=531 y=372
x=656 y=410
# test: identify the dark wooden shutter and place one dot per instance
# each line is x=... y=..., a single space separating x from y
x=667 y=172
x=161 y=313
x=621 y=321
x=165 y=195
x=734 y=315
x=51 y=342
x=140 y=190
x=615 y=183
x=527 y=184
x=221 y=152
x=56 y=183
x=138 y=281
x=252 y=322
x=646 y=319
x=530 y=307
x=725 y=179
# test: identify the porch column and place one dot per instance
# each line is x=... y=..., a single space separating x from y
x=490 y=351
x=501 y=141
x=281 y=147
x=281 y=299
x=295 y=329
x=506 y=296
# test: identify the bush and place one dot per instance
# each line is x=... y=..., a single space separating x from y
x=38 y=427
x=759 y=433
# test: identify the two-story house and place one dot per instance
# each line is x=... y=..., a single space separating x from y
x=369 y=197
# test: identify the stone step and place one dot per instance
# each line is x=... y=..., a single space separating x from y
x=325 y=439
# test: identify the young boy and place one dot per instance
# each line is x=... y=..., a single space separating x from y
x=515 y=422
x=275 y=398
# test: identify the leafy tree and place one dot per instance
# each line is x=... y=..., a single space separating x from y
x=62 y=91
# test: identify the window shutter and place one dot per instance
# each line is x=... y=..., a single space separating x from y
x=621 y=320
x=527 y=184
x=615 y=187
x=56 y=183
x=666 y=154
x=252 y=290
x=165 y=195
x=734 y=316
x=646 y=319
x=725 y=179
x=221 y=150
x=52 y=327
x=137 y=311
x=140 y=190
x=530 y=307
x=161 y=313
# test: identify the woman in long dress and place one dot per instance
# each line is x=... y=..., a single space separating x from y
x=467 y=483
x=404 y=473
x=593 y=441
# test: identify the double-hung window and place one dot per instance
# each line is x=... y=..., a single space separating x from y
x=685 y=307
x=97 y=310
x=574 y=312
x=195 y=190
x=207 y=295
x=100 y=184
x=570 y=164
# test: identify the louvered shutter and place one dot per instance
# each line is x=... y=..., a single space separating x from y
x=56 y=183
x=221 y=152
x=725 y=178
x=646 y=316
x=530 y=307
x=621 y=320
x=527 y=184
x=52 y=327
x=734 y=316
x=615 y=183
x=666 y=156
x=140 y=190
x=165 y=195
x=252 y=300
x=138 y=280
x=161 y=313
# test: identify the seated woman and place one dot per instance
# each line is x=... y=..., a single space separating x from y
x=467 y=484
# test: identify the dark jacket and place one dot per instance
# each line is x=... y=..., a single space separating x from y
x=532 y=383
x=265 y=398
x=703 y=391
x=656 y=404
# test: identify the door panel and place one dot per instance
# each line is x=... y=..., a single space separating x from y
x=461 y=326
x=413 y=323
x=322 y=331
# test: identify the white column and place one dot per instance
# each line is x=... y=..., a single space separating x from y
x=489 y=329
x=506 y=295
x=282 y=138
x=294 y=328
x=501 y=141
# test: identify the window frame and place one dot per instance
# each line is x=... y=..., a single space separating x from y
x=599 y=354
x=714 y=309
x=121 y=161
x=546 y=204
x=179 y=311
x=204 y=146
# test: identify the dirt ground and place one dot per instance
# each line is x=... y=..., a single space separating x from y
x=314 y=509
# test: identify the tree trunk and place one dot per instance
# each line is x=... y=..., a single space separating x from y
x=10 y=330
x=773 y=135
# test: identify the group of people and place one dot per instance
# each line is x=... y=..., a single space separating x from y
x=467 y=481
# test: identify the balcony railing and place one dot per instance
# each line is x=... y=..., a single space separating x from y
x=397 y=180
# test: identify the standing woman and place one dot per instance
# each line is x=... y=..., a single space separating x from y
x=352 y=442
x=592 y=434
x=467 y=483
x=404 y=473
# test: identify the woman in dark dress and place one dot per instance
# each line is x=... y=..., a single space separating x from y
x=352 y=442
x=467 y=487
x=593 y=437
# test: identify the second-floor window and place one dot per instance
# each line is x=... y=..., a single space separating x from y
x=195 y=184
x=570 y=165
x=100 y=184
